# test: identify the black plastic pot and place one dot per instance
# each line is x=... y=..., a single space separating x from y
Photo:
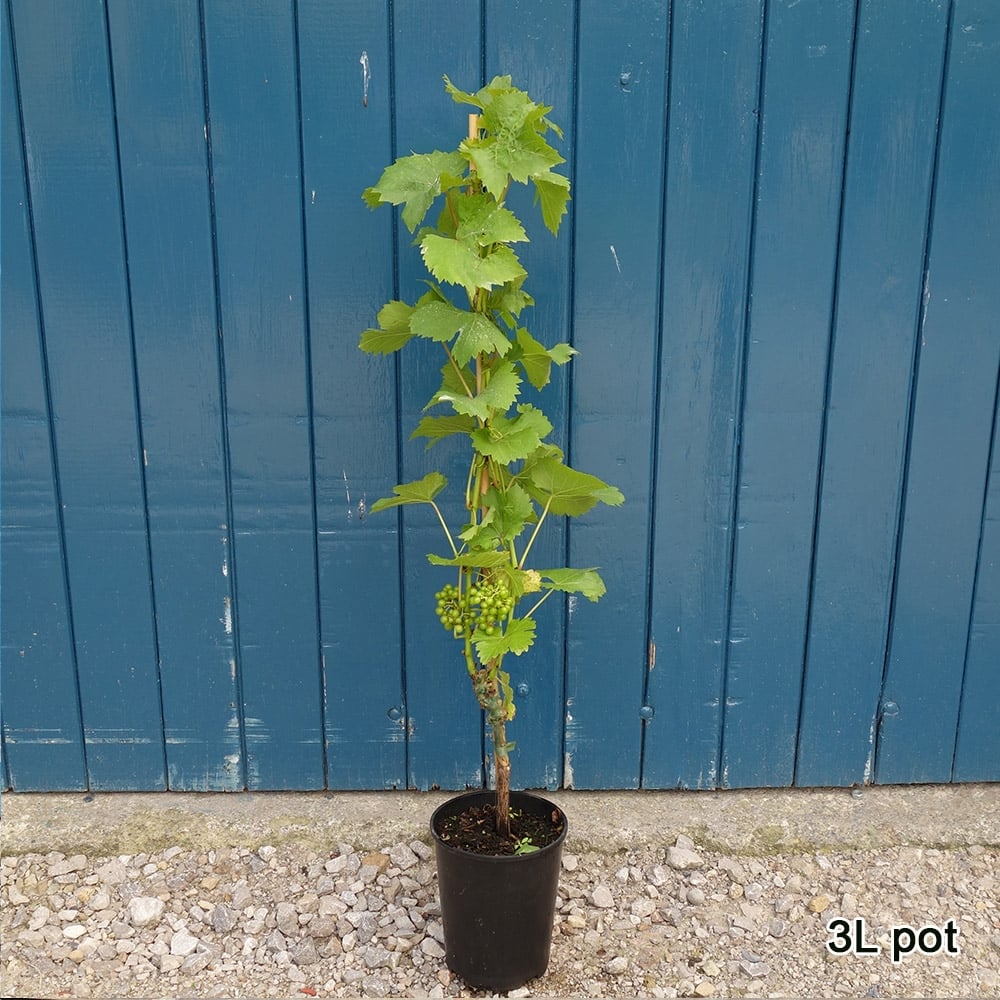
x=497 y=911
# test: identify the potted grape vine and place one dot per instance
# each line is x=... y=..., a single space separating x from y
x=497 y=851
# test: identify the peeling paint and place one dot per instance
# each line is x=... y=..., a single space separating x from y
x=567 y=770
x=614 y=253
x=366 y=76
x=227 y=615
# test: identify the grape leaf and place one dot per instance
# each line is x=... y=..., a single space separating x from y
x=509 y=439
x=510 y=509
x=517 y=638
x=394 y=329
x=552 y=194
x=419 y=491
x=574 y=581
x=537 y=360
x=566 y=491
x=436 y=428
x=415 y=181
x=457 y=263
x=472 y=560
x=482 y=221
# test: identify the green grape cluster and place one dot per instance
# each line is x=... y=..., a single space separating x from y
x=483 y=607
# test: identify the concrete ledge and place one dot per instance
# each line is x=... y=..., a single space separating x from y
x=745 y=822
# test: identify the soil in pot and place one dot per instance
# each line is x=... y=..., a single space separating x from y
x=475 y=830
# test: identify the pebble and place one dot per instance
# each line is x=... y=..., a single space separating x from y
x=669 y=921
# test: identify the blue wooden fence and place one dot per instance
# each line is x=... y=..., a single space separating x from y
x=780 y=268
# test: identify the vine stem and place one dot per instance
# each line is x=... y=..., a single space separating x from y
x=444 y=525
x=534 y=534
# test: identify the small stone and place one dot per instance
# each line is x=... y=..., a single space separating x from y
x=288 y=918
x=402 y=857
x=423 y=851
x=819 y=903
x=145 y=910
x=570 y=862
x=267 y=852
x=17 y=898
x=755 y=970
x=601 y=897
x=520 y=993
x=74 y=931
x=376 y=860
x=74 y=864
x=222 y=919
x=305 y=953
x=695 y=897
x=778 y=928
x=170 y=963
x=431 y=948
x=183 y=943
x=705 y=988
x=683 y=859
x=618 y=965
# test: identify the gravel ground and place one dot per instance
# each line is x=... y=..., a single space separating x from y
x=670 y=919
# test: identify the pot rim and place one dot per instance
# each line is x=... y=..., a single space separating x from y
x=555 y=845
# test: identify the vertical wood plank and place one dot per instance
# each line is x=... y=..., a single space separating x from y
x=618 y=171
x=69 y=120
x=521 y=38
x=42 y=733
x=346 y=143
x=799 y=180
x=252 y=84
x=157 y=68
x=446 y=746
x=714 y=89
x=896 y=92
x=977 y=756
x=952 y=417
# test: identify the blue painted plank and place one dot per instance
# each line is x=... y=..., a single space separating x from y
x=521 y=36
x=977 y=748
x=797 y=212
x=42 y=732
x=896 y=91
x=618 y=171
x=345 y=142
x=253 y=123
x=156 y=61
x=714 y=89
x=953 y=417
x=73 y=179
x=445 y=742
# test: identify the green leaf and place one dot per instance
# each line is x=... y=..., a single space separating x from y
x=574 y=581
x=566 y=491
x=510 y=439
x=416 y=181
x=437 y=320
x=483 y=222
x=419 y=491
x=537 y=360
x=477 y=334
x=517 y=638
x=471 y=560
x=394 y=329
x=457 y=263
x=436 y=428
x=510 y=509
x=552 y=193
